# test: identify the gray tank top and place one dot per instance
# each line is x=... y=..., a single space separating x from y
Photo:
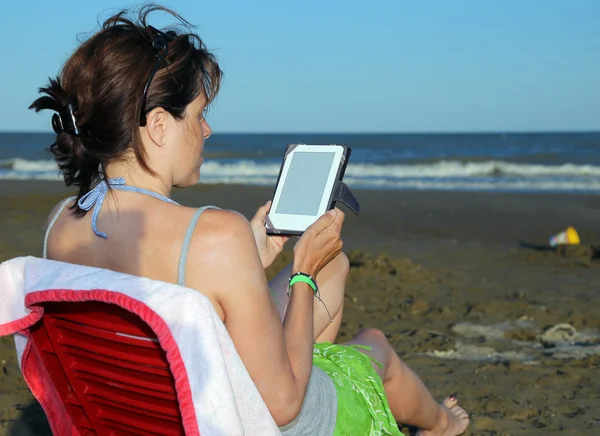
x=319 y=409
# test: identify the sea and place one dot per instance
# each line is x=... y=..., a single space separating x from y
x=526 y=162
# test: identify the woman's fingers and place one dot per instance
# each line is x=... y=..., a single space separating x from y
x=261 y=213
x=321 y=242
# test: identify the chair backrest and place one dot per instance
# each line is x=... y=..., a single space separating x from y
x=109 y=370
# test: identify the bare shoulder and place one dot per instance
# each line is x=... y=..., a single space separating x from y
x=227 y=228
x=222 y=252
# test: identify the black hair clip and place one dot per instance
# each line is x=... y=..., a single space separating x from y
x=161 y=40
x=160 y=43
x=64 y=121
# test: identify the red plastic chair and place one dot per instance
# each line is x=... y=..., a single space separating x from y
x=109 y=370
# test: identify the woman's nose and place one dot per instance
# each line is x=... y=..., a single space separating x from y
x=207 y=130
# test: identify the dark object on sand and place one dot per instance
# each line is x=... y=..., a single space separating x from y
x=536 y=247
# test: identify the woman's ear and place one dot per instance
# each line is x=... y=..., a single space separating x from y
x=156 y=125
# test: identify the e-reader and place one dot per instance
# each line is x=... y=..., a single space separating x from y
x=309 y=184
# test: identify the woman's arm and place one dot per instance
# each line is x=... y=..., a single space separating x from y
x=224 y=262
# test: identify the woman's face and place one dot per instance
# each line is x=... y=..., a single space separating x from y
x=189 y=148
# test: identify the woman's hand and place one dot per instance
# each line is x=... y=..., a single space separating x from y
x=269 y=247
x=319 y=244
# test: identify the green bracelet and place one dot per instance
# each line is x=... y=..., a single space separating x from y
x=304 y=278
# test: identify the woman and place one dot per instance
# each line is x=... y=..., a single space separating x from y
x=130 y=105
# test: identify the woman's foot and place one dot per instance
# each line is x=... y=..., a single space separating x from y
x=453 y=420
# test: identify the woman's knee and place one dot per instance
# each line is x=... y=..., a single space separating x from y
x=379 y=349
x=338 y=268
x=373 y=335
x=332 y=279
x=343 y=264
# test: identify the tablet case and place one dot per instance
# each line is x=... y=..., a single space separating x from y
x=340 y=193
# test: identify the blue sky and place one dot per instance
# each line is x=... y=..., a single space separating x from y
x=351 y=66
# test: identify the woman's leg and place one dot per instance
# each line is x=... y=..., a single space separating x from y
x=409 y=400
x=332 y=285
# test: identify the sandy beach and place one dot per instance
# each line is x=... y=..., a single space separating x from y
x=463 y=284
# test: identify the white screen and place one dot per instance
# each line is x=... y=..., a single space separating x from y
x=303 y=188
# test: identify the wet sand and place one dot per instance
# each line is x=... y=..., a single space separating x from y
x=463 y=284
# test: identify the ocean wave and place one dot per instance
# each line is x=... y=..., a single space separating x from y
x=451 y=168
x=479 y=185
x=445 y=174
x=24 y=165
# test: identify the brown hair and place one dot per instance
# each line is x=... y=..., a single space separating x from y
x=104 y=81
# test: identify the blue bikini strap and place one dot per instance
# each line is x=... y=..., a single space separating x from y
x=95 y=198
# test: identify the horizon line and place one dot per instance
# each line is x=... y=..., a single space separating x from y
x=283 y=132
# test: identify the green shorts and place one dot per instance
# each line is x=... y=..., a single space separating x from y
x=362 y=405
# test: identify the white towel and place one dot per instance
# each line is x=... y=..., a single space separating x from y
x=225 y=400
